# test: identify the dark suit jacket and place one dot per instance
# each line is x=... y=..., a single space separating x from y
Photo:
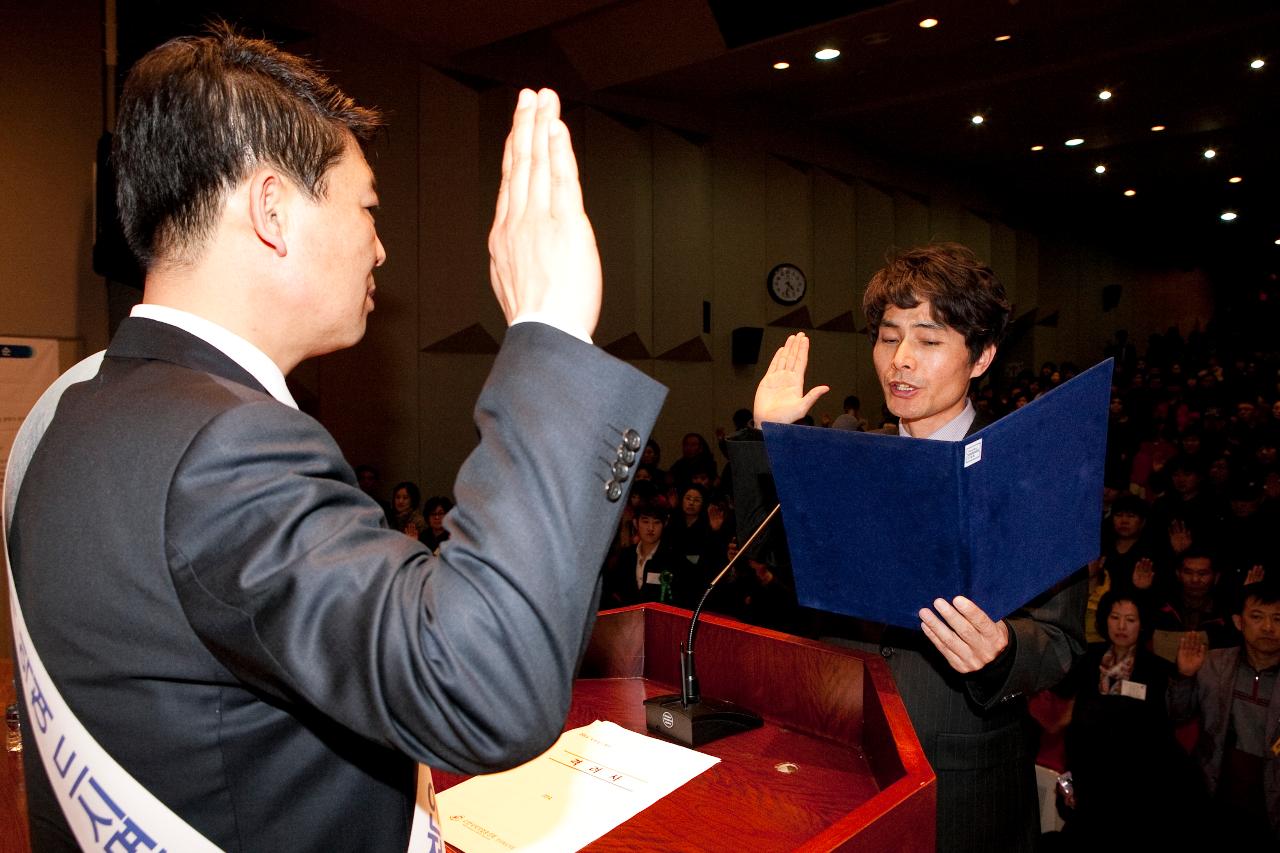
x=231 y=618
x=975 y=729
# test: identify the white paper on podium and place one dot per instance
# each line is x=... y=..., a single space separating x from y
x=592 y=780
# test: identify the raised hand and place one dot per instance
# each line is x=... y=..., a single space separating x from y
x=965 y=634
x=1256 y=574
x=543 y=259
x=1179 y=537
x=780 y=396
x=1191 y=653
x=1144 y=574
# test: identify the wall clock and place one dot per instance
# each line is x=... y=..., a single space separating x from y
x=787 y=284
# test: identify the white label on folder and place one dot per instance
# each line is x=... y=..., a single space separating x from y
x=972 y=452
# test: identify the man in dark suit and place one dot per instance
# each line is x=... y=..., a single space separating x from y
x=936 y=315
x=224 y=610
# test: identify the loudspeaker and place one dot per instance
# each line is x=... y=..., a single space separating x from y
x=746 y=344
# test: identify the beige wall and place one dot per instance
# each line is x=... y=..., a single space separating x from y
x=680 y=218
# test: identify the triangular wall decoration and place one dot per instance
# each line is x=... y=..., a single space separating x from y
x=629 y=348
x=797 y=319
x=840 y=323
x=693 y=349
x=473 y=340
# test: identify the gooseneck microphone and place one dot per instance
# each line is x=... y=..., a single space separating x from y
x=685 y=716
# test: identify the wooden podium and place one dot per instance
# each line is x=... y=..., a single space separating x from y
x=836 y=766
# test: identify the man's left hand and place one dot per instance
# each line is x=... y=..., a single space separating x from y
x=964 y=633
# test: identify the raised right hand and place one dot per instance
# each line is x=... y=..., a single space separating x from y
x=780 y=396
x=543 y=260
x=1191 y=653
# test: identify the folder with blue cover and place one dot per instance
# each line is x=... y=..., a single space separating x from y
x=881 y=525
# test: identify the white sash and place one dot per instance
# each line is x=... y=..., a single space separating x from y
x=103 y=804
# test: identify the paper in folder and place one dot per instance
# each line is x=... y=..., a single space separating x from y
x=881 y=525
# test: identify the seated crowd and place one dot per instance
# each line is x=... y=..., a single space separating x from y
x=1165 y=731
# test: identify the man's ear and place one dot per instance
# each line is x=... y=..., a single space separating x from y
x=984 y=361
x=267 y=209
x=1239 y=623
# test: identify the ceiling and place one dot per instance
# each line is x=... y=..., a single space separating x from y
x=907 y=94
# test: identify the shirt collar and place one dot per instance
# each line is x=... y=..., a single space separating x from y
x=234 y=347
x=954 y=429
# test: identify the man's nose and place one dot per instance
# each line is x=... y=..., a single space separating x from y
x=904 y=355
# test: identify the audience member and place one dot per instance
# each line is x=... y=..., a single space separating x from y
x=1126 y=767
x=1235 y=695
x=851 y=418
x=434 y=534
x=406 y=517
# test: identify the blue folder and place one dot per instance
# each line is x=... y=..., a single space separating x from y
x=881 y=525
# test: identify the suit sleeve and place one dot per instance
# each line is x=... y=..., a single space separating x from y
x=1046 y=638
x=465 y=661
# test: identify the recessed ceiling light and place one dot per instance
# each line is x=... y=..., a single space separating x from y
x=1209 y=153
x=976 y=119
x=1099 y=168
x=1234 y=179
x=782 y=66
x=928 y=23
x=1257 y=63
x=1157 y=127
x=1227 y=215
x=1130 y=193
x=826 y=54
x=1003 y=38
x=1037 y=147
x=1073 y=142
x=1104 y=95
x=1278 y=241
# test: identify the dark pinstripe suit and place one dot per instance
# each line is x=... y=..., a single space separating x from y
x=975 y=729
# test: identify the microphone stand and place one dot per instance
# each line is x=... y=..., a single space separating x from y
x=685 y=716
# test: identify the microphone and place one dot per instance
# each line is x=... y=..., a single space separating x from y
x=685 y=716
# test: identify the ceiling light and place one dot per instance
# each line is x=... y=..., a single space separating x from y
x=1073 y=142
x=1037 y=147
x=781 y=66
x=1257 y=63
x=827 y=53
x=977 y=119
x=1104 y=95
x=1227 y=215
x=1099 y=168
x=1278 y=241
x=928 y=23
x=1003 y=38
x=1156 y=128
x=1130 y=193
x=1209 y=153
x=1234 y=179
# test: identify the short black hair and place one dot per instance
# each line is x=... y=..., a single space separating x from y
x=652 y=509
x=199 y=113
x=1265 y=591
x=852 y=402
x=1130 y=503
x=436 y=502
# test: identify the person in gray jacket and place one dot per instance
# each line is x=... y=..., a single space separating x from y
x=1235 y=694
